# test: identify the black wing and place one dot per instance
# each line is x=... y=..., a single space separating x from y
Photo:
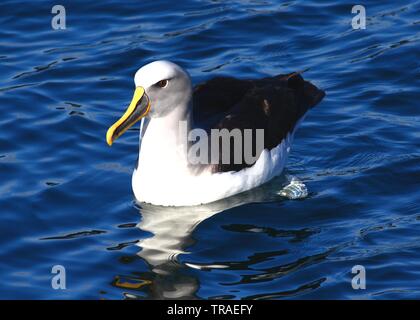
x=274 y=104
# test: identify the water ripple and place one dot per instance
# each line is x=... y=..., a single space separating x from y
x=357 y=153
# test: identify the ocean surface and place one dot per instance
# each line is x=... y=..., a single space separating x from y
x=66 y=198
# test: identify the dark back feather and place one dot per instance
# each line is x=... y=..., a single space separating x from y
x=274 y=104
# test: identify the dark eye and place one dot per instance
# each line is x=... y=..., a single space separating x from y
x=162 y=83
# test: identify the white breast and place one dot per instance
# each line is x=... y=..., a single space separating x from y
x=163 y=179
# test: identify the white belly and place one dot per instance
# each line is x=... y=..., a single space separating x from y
x=161 y=181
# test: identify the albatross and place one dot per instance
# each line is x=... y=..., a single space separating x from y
x=164 y=98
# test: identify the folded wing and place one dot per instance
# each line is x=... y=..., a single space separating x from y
x=275 y=104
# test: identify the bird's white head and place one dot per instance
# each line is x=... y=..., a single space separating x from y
x=161 y=88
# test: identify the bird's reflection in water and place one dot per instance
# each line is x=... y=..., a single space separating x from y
x=172 y=229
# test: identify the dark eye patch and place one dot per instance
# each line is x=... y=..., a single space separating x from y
x=162 y=83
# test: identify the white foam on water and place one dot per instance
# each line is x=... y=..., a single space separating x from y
x=296 y=189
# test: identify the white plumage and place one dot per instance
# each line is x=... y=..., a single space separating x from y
x=167 y=183
x=163 y=175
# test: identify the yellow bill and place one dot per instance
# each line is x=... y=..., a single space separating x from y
x=138 y=108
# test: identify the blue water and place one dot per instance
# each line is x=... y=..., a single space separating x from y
x=66 y=199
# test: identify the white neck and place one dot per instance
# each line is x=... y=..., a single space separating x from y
x=163 y=145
